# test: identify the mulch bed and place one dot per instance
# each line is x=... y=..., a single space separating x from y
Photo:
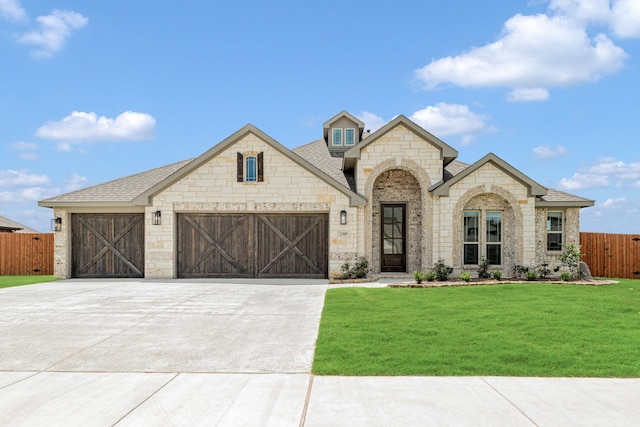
x=479 y=282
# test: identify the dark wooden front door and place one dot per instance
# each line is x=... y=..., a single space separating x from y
x=252 y=245
x=107 y=245
x=393 y=234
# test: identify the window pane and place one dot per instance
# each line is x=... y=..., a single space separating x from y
x=388 y=246
x=337 y=137
x=397 y=214
x=252 y=169
x=349 y=136
x=471 y=226
x=494 y=226
x=470 y=254
x=554 y=221
x=494 y=254
x=554 y=241
x=388 y=231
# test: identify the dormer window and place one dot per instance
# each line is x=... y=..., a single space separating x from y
x=337 y=137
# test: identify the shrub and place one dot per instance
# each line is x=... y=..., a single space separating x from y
x=531 y=275
x=465 y=276
x=565 y=276
x=571 y=257
x=520 y=270
x=543 y=270
x=483 y=269
x=419 y=276
x=430 y=276
x=359 y=270
x=497 y=274
x=442 y=270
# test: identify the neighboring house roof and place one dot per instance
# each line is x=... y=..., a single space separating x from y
x=9 y=225
x=145 y=197
x=119 y=192
x=447 y=152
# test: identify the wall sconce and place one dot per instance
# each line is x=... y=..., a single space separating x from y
x=343 y=217
x=157 y=218
x=56 y=224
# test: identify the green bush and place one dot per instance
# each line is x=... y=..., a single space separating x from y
x=520 y=270
x=531 y=275
x=543 y=270
x=565 y=276
x=497 y=274
x=419 y=276
x=358 y=271
x=430 y=276
x=483 y=269
x=465 y=276
x=442 y=271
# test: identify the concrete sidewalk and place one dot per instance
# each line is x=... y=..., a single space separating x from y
x=202 y=353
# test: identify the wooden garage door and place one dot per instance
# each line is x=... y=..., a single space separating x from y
x=107 y=245
x=253 y=246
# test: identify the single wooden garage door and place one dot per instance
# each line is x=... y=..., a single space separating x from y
x=107 y=245
x=253 y=245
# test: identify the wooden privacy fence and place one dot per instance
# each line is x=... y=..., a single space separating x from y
x=612 y=255
x=23 y=254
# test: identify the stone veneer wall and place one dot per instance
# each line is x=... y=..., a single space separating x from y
x=571 y=233
x=287 y=187
x=399 y=186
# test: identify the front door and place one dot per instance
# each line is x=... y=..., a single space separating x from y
x=393 y=232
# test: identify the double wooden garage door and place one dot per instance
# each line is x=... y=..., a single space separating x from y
x=252 y=245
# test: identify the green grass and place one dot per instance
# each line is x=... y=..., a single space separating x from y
x=9 y=281
x=502 y=330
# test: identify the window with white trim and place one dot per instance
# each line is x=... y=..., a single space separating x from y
x=349 y=136
x=470 y=238
x=554 y=231
x=337 y=136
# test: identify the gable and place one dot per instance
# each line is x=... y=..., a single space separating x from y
x=493 y=169
x=219 y=164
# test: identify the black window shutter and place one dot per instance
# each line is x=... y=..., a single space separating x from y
x=240 y=172
x=260 y=167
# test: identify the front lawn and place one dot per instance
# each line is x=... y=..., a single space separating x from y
x=8 y=281
x=502 y=330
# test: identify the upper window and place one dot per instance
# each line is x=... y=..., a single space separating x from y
x=554 y=231
x=251 y=171
x=250 y=168
x=349 y=136
x=337 y=136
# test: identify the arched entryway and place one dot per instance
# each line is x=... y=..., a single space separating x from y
x=396 y=220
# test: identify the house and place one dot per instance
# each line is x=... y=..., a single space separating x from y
x=250 y=207
x=10 y=226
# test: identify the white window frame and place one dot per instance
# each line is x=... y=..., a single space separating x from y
x=555 y=232
x=333 y=137
x=353 y=140
x=465 y=240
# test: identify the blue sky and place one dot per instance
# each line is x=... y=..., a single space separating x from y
x=94 y=91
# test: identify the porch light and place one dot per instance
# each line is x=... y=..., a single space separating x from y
x=343 y=217
x=56 y=224
x=157 y=218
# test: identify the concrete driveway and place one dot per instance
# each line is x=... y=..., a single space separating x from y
x=190 y=353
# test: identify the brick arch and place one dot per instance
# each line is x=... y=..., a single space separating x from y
x=497 y=198
x=420 y=212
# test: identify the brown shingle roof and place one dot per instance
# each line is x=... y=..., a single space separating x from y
x=10 y=225
x=122 y=190
x=317 y=154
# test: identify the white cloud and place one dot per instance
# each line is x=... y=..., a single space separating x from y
x=30 y=194
x=602 y=174
x=537 y=52
x=545 y=152
x=528 y=94
x=614 y=203
x=11 y=9
x=24 y=146
x=76 y=182
x=625 y=18
x=13 y=178
x=371 y=121
x=581 y=181
x=451 y=119
x=53 y=32
x=87 y=127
